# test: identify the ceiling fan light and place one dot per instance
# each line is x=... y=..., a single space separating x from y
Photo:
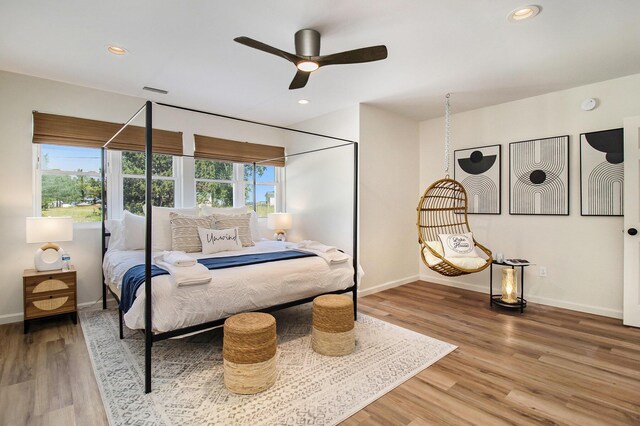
x=307 y=66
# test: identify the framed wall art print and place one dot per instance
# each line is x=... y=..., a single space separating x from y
x=479 y=172
x=602 y=173
x=539 y=176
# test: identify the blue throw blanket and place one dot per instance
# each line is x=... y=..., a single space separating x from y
x=135 y=276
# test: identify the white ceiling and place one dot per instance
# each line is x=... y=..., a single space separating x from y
x=435 y=46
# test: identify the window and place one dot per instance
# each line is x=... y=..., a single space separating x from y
x=225 y=184
x=214 y=183
x=265 y=188
x=133 y=181
x=68 y=182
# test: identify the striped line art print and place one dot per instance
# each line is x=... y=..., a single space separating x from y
x=602 y=173
x=478 y=170
x=539 y=176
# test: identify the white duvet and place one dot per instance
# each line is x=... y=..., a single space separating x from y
x=231 y=290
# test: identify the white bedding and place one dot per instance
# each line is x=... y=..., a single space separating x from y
x=231 y=290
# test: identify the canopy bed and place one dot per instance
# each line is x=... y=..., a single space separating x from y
x=154 y=310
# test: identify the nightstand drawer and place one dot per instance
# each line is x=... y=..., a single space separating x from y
x=52 y=304
x=44 y=284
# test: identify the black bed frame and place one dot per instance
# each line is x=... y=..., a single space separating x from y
x=150 y=336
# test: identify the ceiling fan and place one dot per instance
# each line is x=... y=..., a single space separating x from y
x=307 y=57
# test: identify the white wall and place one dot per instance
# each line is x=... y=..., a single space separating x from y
x=583 y=255
x=19 y=96
x=320 y=184
x=389 y=171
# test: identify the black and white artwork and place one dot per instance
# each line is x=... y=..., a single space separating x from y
x=478 y=170
x=539 y=176
x=602 y=173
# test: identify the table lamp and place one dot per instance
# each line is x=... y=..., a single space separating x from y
x=47 y=230
x=279 y=222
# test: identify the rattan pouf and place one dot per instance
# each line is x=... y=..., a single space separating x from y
x=333 y=331
x=249 y=351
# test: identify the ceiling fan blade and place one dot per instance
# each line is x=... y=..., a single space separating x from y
x=366 y=54
x=269 y=49
x=299 y=80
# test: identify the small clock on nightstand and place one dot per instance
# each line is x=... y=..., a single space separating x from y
x=49 y=293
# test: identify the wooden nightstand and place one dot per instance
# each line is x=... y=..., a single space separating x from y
x=49 y=293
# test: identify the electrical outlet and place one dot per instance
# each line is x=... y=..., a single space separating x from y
x=543 y=271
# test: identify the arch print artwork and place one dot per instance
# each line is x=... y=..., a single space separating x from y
x=602 y=173
x=539 y=176
x=479 y=171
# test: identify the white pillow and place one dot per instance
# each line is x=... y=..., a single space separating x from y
x=116 y=240
x=133 y=231
x=253 y=223
x=161 y=225
x=215 y=241
x=458 y=245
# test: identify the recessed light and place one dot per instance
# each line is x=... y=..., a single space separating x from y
x=303 y=101
x=116 y=50
x=307 y=66
x=522 y=13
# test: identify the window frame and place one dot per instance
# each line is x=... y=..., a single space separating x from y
x=115 y=182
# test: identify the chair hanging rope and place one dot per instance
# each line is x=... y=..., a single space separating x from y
x=443 y=210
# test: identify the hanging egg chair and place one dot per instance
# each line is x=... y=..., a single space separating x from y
x=443 y=210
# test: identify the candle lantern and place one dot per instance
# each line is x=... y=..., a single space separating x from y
x=509 y=285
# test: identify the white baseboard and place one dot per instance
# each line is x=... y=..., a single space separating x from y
x=387 y=285
x=596 y=310
x=19 y=317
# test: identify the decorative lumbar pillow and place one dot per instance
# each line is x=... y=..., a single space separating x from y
x=458 y=245
x=241 y=221
x=161 y=225
x=215 y=241
x=184 y=231
x=133 y=228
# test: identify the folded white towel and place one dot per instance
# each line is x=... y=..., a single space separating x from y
x=186 y=275
x=330 y=254
x=176 y=258
x=316 y=246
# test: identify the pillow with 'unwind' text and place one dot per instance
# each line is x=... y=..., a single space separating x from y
x=217 y=240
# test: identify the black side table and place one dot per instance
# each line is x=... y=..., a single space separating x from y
x=521 y=302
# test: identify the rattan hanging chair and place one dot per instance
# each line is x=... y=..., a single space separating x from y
x=443 y=210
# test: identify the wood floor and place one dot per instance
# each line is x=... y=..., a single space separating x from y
x=548 y=366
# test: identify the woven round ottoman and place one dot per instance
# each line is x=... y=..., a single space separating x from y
x=249 y=352
x=333 y=331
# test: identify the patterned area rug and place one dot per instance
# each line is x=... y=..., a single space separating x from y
x=311 y=389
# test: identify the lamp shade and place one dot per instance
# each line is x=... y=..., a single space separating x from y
x=49 y=229
x=279 y=221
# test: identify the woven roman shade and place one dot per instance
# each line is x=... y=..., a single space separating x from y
x=71 y=131
x=238 y=152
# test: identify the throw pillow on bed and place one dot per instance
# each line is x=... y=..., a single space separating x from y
x=215 y=241
x=458 y=245
x=253 y=223
x=241 y=221
x=184 y=231
x=133 y=231
x=161 y=225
